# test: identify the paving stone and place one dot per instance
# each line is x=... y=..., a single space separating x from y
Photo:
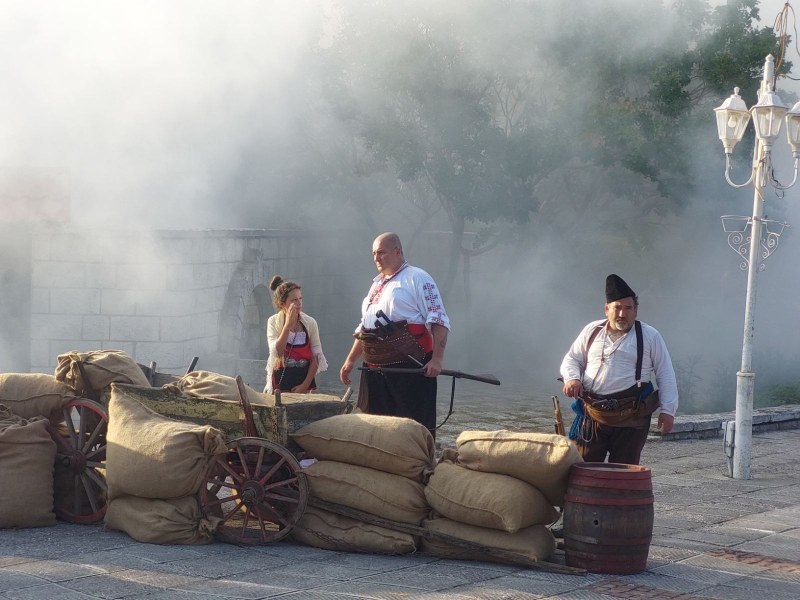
x=727 y=592
x=694 y=573
x=55 y=571
x=10 y=580
x=50 y=590
x=107 y=586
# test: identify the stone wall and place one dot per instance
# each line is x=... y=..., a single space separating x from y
x=168 y=296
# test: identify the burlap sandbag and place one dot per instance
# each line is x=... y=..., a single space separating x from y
x=534 y=542
x=487 y=499
x=541 y=459
x=151 y=456
x=156 y=521
x=383 y=494
x=102 y=367
x=327 y=530
x=389 y=444
x=207 y=384
x=31 y=395
x=27 y=454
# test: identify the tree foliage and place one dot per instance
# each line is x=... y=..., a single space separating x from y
x=486 y=112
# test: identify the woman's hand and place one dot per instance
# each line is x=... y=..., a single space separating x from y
x=300 y=389
x=292 y=315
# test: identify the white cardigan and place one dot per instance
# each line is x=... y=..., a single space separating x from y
x=274 y=327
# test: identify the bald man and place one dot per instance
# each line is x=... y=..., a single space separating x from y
x=405 y=297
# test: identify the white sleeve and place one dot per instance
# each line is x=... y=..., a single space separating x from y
x=665 y=375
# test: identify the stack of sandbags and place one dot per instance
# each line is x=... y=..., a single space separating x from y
x=102 y=368
x=500 y=490
x=27 y=454
x=541 y=459
x=491 y=509
x=207 y=384
x=155 y=466
x=30 y=395
x=370 y=463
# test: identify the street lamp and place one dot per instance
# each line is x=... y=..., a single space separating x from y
x=732 y=117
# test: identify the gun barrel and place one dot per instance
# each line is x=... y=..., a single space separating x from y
x=559 y=421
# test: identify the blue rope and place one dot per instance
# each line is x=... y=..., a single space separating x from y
x=580 y=415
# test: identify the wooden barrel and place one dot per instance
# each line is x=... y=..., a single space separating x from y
x=608 y=517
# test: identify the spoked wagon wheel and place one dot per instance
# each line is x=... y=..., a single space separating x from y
x=257 y=489
x=80 y=492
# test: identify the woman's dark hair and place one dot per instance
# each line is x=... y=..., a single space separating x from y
x=281 y=290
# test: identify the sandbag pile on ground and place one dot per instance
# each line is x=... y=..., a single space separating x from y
x=372 y=463
x=30 y=395
x=499 y=489
x=215 y=386
x=102 y=368
x=27 y=454
x=491 y=509
x=540 y=459
x=155 y=466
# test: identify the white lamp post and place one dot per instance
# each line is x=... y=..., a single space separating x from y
x=732 y=118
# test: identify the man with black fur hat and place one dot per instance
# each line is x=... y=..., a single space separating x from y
x=609 y=370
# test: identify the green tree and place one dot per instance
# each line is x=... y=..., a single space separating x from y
x=488 y=113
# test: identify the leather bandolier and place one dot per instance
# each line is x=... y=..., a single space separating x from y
x=390 y=345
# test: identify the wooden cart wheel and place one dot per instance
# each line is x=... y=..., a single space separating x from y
x=80 y=492
x=258 y=489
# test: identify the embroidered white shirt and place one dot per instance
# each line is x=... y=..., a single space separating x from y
x=410 y=294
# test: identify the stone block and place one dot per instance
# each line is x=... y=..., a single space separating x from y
x=40 y=353
x=218 y=274
x=205 y=324
x=176 y=329
x=183 y=277
x=707 y=423
x=760 y=418
x=75 y=301
x=56 y=327
x=168 y=355
x=128 y=348
x=62 y=347
x=40 y=247
x=681 y=424
x=134 y=329
x=101 y=275
x=96 y=328
x=80 y=246
x=143 y=276
x=118 y=249
x=40 y=300
x=58 y=274
x=166 y=303
x=117 y=302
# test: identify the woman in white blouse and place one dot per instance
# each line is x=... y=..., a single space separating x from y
x=295 y=350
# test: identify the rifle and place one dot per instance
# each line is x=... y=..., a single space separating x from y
x=483 y=378
x=559 y=421
x=488 y=378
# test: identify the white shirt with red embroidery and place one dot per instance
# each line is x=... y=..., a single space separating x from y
x=409 y=295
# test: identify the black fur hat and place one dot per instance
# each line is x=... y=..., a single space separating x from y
x=616 y=288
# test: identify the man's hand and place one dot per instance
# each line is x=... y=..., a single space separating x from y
x=573 y=388
x=665 y=422
x=433 y=367
x=344 y=372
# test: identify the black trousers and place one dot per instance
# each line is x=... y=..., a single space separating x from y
x=398 y=395
x=621 y=444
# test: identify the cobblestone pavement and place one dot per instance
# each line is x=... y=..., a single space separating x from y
x=714 y=537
